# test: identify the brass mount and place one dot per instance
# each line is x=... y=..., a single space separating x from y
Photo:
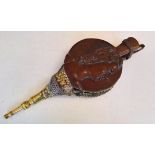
x=26 y=104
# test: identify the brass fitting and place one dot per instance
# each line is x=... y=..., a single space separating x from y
x=25 y=105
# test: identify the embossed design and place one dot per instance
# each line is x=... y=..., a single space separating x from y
x=104 y=75
x=60 y=84
x=62 y=78
x=99 y=56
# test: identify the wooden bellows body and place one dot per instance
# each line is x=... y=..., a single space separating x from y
x=94 y=65
x=91 y=68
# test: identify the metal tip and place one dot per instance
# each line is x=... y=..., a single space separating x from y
x=11 y=113
x=6 y=116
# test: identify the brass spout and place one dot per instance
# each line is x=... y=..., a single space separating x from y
x=25 y=105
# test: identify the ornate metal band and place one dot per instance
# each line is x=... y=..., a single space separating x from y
x=59 y=84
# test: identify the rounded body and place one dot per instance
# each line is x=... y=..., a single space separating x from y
x=93 y=66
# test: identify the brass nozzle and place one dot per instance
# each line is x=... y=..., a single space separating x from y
x=25 y=105
x=9 y=114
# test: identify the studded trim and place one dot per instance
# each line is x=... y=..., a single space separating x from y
x=60 y=84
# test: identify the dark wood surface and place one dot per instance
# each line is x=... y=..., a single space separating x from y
x=95 y=65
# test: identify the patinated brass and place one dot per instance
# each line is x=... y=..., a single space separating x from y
x=26 y=104
x=59 y=85
x=62 y=79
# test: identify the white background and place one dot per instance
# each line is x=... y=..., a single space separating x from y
x=28 y=60
x=83 y=15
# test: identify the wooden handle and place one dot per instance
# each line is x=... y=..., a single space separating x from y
x=128 y=47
